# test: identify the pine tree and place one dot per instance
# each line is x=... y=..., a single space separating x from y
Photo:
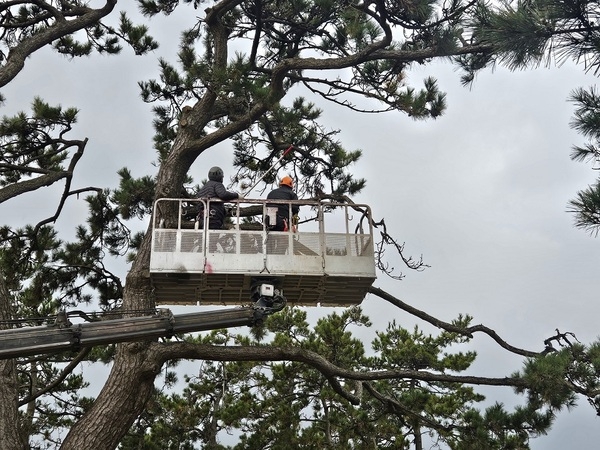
x=287 y=383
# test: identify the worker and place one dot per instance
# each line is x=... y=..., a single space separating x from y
x=285 y=191
x=278 y=217
x=213 y=189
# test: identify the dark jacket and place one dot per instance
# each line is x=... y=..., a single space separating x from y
x=216 y=214
x=283 y=211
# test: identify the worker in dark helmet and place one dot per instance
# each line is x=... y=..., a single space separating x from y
x=213 y=190
x=285 y=191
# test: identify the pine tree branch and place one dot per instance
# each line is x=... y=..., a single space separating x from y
x=400 y=410
x=61 y=28
x=163 y=352
x=62 y=376
x=448 y=326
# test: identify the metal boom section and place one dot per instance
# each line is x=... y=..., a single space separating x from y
x=64 y=335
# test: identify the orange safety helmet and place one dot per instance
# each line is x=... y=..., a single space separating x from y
x=287 y=181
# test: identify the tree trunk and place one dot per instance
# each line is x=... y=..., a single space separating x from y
x=129 y=385
x=131 y=380
x=10 y=436
x=119 y=403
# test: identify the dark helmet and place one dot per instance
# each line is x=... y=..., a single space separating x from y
x=215 y=174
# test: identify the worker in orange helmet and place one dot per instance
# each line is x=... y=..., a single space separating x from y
x=285 y=191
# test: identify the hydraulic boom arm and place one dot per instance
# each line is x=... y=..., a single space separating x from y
x=63 y=335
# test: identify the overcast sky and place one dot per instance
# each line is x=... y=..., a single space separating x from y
x=481 y=193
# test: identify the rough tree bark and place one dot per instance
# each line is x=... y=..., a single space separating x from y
x=11 y=437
